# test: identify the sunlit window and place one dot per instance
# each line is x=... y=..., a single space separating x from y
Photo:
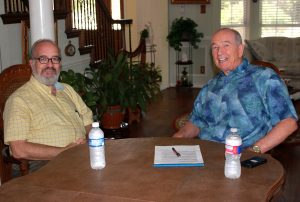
x=280 y=18
x=116 y=13
x=234 y=15
x=84 y=14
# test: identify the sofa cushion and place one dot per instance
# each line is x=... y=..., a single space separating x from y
x=296 y=49
x=248 y=55
x=259 y=50
x=282 y=49
x=288 y=68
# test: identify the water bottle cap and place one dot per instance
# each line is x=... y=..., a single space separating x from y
x=233 y=130
x=95 y=124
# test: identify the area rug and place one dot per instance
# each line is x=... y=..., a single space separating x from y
x=293 y=139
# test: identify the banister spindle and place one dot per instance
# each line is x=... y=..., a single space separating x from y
x=17 y=6
x=5 y=6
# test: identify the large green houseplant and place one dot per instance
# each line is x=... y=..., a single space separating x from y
x=115 y=82
x=184 y=29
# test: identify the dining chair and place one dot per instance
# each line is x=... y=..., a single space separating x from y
x=11 y=79
x=266 y=64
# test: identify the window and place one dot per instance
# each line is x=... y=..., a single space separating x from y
x=84 y=14
x=234 y=15
x=116 y=9
x=280 y=18
x=116 y=13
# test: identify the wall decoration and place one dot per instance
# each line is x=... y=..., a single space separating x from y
x=70 y=49
x=190 y=1
x=202 y=2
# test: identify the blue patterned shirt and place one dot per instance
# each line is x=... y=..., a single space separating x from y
x=250 y=98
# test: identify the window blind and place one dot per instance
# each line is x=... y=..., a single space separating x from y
x=84 y=14
x=234 y=14
x=280 y=18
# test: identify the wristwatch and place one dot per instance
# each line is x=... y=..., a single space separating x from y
x=256 y=149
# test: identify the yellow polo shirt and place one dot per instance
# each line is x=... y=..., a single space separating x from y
x=32 y=113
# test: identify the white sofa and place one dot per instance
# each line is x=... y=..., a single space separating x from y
x=282 y=51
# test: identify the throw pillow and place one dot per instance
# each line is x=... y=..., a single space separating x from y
x=259 y=50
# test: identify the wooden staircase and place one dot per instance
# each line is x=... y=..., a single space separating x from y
x=95 y=42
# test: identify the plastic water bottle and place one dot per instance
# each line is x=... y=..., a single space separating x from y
x=96 y=145
x=232 y=167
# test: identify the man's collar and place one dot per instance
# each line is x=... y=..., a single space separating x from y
x=240 y=69
x=53 y=89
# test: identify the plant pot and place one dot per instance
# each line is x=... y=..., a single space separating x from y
x=112 y=118
x=134 y=115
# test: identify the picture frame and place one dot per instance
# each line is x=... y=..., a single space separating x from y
x=190 y=1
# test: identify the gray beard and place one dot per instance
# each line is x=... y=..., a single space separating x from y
x=46 y=81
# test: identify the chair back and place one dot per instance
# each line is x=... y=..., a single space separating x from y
x=11 y=79
x=267 y=64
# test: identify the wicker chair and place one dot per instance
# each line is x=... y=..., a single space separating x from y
x=10 y=79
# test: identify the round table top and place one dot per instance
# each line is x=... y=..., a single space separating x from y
x=130 y=176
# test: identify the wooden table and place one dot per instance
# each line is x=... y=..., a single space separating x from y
x=130 y=176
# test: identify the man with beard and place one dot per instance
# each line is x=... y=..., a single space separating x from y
x=252 y=99
x=44 y=117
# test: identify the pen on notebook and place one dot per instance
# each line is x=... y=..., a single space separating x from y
x=176 y=152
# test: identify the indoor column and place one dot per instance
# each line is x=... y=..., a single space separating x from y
x=41 y=20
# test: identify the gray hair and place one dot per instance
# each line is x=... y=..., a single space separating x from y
x=237 y=35
x=38 y=42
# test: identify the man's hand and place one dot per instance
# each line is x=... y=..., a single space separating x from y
x=189 y=130
x=178 y=135
x=80 y=141
x=77 y=142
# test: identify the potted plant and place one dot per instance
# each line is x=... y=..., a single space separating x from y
x=115 y=84
x=183 y=29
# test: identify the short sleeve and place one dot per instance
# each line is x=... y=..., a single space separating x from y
x=195 y=116
x=16 y=118
x=277 y=99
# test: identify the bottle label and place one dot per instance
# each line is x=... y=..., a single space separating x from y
x=96 y=142
x=229 y=149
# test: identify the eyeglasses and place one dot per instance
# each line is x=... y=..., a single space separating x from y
x=45 y=60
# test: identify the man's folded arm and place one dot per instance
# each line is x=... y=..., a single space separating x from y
x=21 y=149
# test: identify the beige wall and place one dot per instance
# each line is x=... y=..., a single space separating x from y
x=130 y=12
x=141 y=11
